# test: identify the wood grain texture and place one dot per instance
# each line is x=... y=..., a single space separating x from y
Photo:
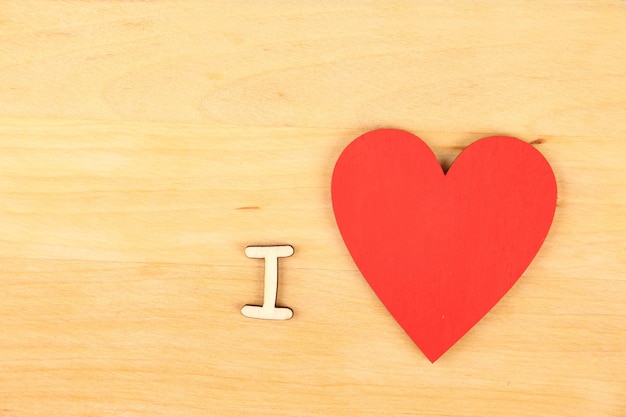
x=144 y=145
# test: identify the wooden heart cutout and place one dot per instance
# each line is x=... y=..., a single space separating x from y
x=441 y=249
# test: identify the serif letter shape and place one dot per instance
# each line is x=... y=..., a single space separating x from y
x=269 y=310
x=441 y=249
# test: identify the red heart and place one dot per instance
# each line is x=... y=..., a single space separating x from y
x=441 y=249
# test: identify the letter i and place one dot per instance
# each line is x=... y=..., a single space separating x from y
x=269 y=310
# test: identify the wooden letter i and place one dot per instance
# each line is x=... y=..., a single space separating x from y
x=269 y=310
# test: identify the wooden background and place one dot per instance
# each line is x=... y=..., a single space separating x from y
x=144 y=145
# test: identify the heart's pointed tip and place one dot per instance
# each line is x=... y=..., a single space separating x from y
x=432 y=357
x=433 y=353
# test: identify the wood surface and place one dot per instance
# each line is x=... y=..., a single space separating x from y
x=145 y=145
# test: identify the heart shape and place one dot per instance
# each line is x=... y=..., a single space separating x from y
x=441 y=249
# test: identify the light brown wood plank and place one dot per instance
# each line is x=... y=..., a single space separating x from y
x=144 y=145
